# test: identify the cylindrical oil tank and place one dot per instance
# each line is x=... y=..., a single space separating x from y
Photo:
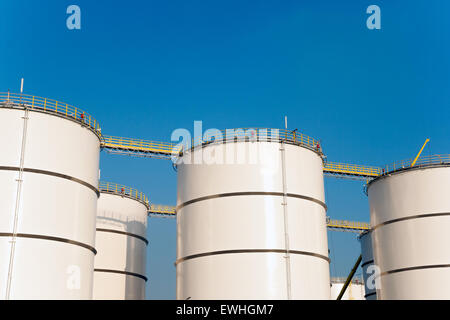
x=410 y=219
x=367 y=266
x=121 y=243
x=251 y=218
x=354 y=291
x=49 y=168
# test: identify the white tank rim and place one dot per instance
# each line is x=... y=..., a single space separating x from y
x=15 y=106
x=247 y=139
x=299 y=144
x=147 y=205
x=407 y=170
x=363 y=234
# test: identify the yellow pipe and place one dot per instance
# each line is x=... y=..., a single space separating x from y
x=418 y=155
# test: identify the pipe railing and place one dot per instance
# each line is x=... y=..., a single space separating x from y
x=423 y=161
x=120 y=189
x=49 y=105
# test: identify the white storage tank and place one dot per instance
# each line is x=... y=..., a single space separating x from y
x=121 y=243
x=367 y=266
x=49 y=185
x=251 y=218
x=354 y=291
x=410 y=219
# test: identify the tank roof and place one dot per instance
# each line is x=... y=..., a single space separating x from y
x=124 y=191
x=425 y=162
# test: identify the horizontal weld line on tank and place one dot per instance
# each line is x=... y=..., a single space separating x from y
x=251 y=193
x=122 y=272
x=55 y=174
x=370 y=294
x=41 y=237
x=434 y=266
x=366 y=263
x=123 y=233
x=419 y=216
x=200 y=255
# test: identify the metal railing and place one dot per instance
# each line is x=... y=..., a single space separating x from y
x=219 y=136
x=120 y=189
x=140 y=145
x=259 y=134
x=162 y=209
x=423 y=161
x=348 y=225
x=351 y=169
x=51 y=106
x=355 y=280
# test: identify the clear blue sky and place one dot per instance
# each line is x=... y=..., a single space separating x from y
x=145 y=68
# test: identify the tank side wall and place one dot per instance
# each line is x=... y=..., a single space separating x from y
x=412 y=210
x=55 y=231
x=367 y=266
x=121 y=236
x=231 y=215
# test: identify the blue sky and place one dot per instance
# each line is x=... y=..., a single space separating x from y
x=145 y=68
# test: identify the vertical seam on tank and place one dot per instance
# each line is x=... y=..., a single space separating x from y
x=18 y=200
x=286 y=222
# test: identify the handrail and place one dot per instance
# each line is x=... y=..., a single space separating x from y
x=348 y=225
x=139 y=145
x=162 y=209
x=352 y=169
x=261 y=134
x=120 y=189
x=423 y=161
x=51 y=106
x=220 y=136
